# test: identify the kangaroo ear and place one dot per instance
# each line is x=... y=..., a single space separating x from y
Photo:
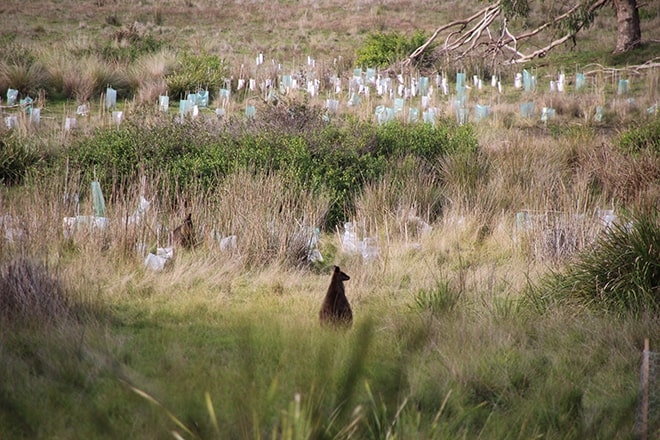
x=337 y=270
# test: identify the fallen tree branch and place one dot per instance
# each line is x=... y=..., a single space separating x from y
x=540 y=52
x=462 y=23
x=636 y=69
x=460 y=43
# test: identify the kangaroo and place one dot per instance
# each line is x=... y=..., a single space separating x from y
x=183 y=235
x=336 y=311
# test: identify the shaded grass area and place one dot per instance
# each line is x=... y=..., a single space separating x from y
x=415 y=364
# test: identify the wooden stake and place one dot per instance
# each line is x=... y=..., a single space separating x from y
x=645 y=390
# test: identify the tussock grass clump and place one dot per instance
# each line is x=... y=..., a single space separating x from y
x=21 y=69
x=626 y=178
x=88 y=77
x=408 y=198
x=148 y=75
x=620 y=274
x=17 y=159
x=30 y=293
x=439 y=300
x=644 y=137
x=26 y=77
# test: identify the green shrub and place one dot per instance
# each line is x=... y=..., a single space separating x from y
x=424 y=140
x=176 y=155
x=385 y=49
x=196 y=72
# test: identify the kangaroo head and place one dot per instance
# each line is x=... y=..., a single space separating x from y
x=338 y=274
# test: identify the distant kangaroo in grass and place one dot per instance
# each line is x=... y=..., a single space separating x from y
x=336 y=311
x=183 y=234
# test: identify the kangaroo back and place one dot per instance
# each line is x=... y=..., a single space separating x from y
x=336 y=310
x=183 y=234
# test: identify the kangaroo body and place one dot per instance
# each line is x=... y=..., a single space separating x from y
x=336 y=311
x=183 y=235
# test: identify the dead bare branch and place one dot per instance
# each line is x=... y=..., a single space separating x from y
x=540 y=52
x=630 y=70
x=460 y=23
x=459 y=42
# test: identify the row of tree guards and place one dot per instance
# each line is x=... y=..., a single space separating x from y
x=399 y=92
x=410 y=98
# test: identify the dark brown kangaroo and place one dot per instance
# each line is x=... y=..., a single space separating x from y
x=335 y=310
x=183 y=235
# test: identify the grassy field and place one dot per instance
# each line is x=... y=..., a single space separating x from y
x=501 y=302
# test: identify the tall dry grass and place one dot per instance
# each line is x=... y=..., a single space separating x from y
x=148 y=76
x=404 y=202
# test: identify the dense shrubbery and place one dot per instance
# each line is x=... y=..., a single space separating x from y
x=339 y=159
x=385 y=49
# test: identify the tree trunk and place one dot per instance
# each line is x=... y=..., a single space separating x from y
x=628 y=34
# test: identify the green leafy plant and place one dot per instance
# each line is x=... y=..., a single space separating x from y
x=385 y=49
x=337 y=159
x=196 y=72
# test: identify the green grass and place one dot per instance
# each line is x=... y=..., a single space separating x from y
x=604 y=57
x=270 y=371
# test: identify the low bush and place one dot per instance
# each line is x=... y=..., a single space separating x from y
x=17 y=159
